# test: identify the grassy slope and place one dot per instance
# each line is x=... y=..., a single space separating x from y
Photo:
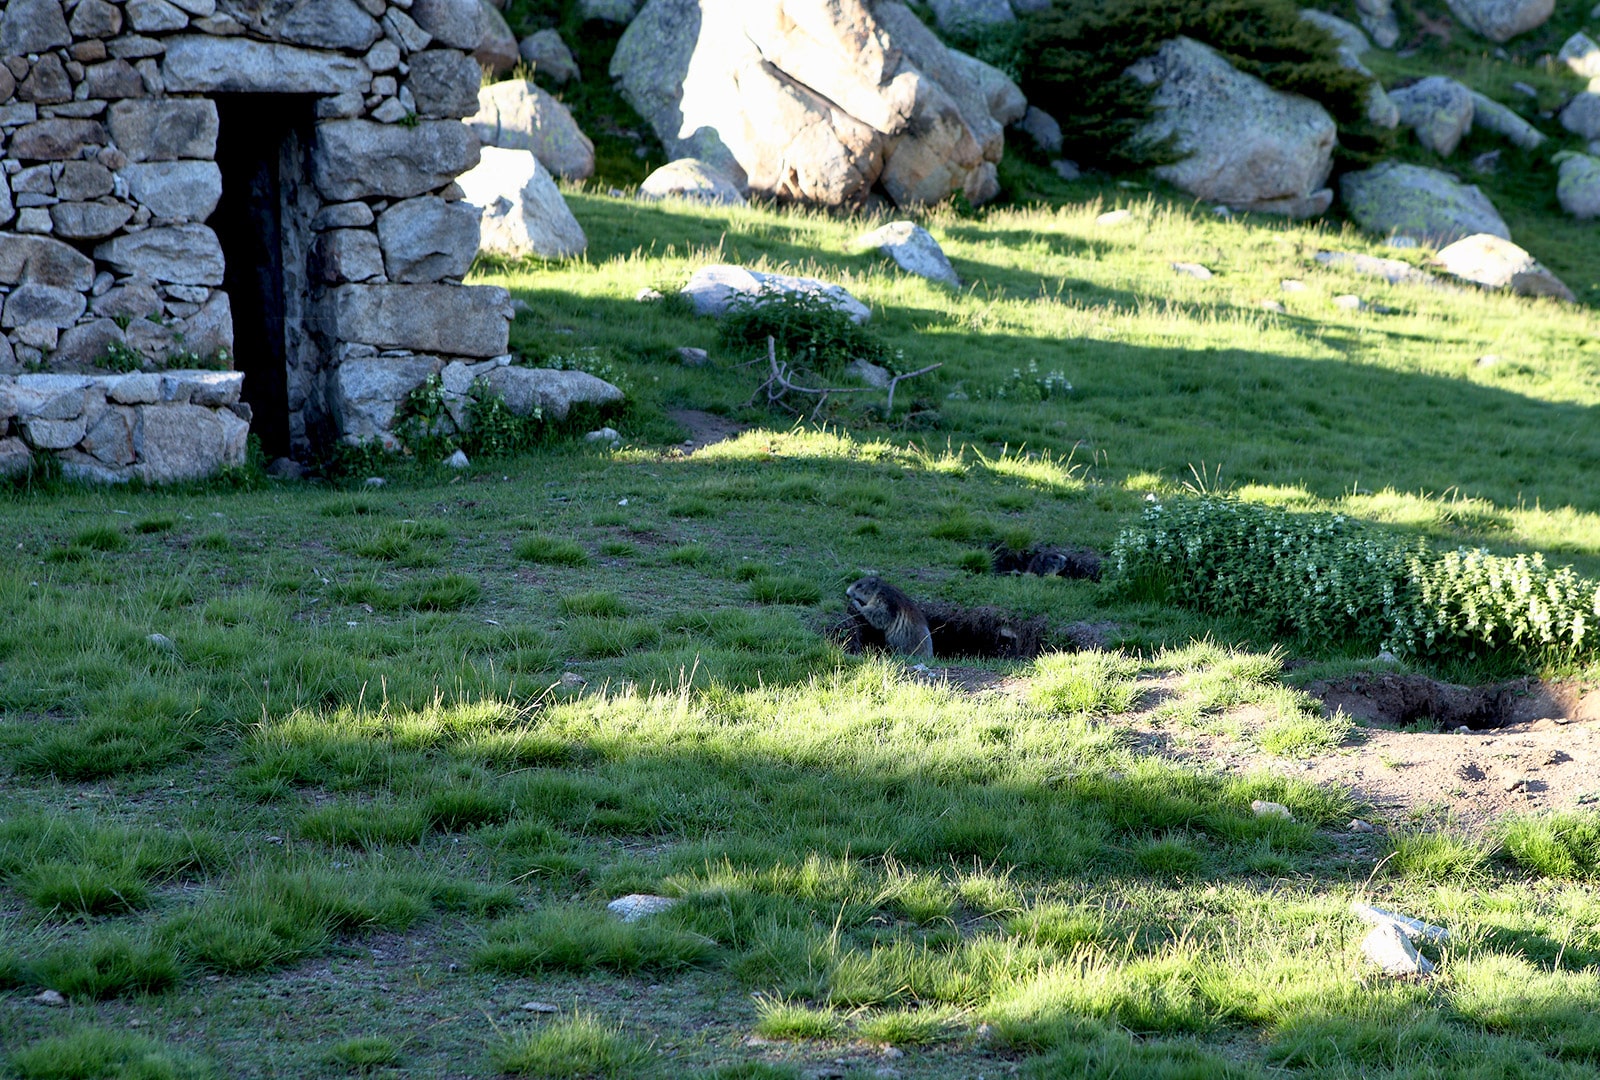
x=348 y=823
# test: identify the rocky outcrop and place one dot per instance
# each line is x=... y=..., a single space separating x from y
x=523 y=211
x=518 y=115
x=1578 y=189
x=713 y=290
x=818 y=102
x=1421 y=203
x=1496 y=263
x=156 y=427
x=1245 y=145
x=1502 y=20
x=1438 y=109
x=694 y=180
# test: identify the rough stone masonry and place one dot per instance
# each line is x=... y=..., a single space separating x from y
x=110 y=117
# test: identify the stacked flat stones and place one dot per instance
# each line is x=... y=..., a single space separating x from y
x=108 y=143
x=158 y=427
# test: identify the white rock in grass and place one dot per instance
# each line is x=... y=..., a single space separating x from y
x=1262 y=808
x=1411 y=928
x=714 y=289
x=636 y=906
x=51 y=998
x=1495 y=263
x=458 y=460
x=1388 y=947
x=162 y=642
x=1194 y=270
x=914 y=250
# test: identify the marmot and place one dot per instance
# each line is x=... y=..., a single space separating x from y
x=886 y=608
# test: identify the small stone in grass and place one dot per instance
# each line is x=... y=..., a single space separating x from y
x=636 y=906
x=1262 y=808
x=1357 y=825
x=50 y=997
x=1194 y=270
x=376 y=481
x=1350 y=302
x=1114 y=217
x=458 y=460
x=539 y=1007
x=689 y=356
x=1389 y=948
x=162 y=642
x=571 y=680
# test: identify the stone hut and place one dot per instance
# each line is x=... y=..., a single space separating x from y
x=266 y=186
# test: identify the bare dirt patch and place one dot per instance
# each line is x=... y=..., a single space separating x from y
x=704 y=428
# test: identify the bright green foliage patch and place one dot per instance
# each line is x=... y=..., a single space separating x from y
x=576 y=1048
x=1330 y=578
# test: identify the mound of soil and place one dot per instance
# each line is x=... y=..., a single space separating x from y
x=1048 y=561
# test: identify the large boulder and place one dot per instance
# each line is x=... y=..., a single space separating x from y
x=1422 y=203
x=1244 y=144
x=550 y=57
x=496 y=50
x=1438 y=109
x=1578 y=189
x=818 y=101
x=1502 y=20
x=971 y=15
x=714 y=290
x=553 y=393
x=1581 y=55
x=1497 y=263
x=518 y=115
x=1582 y=115
x=689 y=178
x=523 y=211
x=1348 y=35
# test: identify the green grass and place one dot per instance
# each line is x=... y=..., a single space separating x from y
x=355 y=816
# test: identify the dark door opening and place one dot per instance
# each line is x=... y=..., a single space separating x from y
x=264 y=231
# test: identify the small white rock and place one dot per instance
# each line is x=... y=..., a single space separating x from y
x=1357 y=825
x=50 y=997
x=1349 y=302
x=1411 y=928
x=648 y=295
x=1262 y=808
x=1066 y=169
x=458 y=460
x=636 y=906
x=1389 y=948
x=539 y=1007
x=1194 y=270
x=376 y=481
x=689 y=356
x=571 y=680
x=162 y=642
x=605 y=435
x=1114 y=217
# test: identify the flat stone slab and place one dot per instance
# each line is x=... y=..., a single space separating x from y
x=713 y=290
x=636 y=906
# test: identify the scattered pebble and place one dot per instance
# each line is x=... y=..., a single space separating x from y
x=692 y=357
x=1357 y=825
x=1488 y=360
x=1389 y=948
x=1262 y=808
x=1194 y=270
x=636 y=906
x=274 y=839
x=605 y=435
x=893 y=1052
x=1114 y=217
x=1292 y=285
x=571 y=680
x=1524 y=88
x=50 y=997
x=1350 y=302
x=539 y=1007
x=1463 y=730
x=1516 y=783
x=458 y=460
x=649 y=296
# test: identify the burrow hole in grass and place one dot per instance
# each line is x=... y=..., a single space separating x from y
x=958 y=633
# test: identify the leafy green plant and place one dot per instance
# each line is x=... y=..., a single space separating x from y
x=493 y=430
x=423 y=424
x=1329 y=578
x=807 y=332
x=120 y=356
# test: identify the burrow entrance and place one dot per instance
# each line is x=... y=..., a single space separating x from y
x=1402 y=700
x=958 y=633
x=264 y=223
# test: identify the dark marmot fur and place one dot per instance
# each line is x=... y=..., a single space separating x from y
x=893 y=613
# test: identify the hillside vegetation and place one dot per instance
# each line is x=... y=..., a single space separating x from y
x=334 y=778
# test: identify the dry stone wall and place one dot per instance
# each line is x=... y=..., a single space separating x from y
x=109 y=132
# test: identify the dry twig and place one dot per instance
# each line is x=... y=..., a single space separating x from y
x=779 y=385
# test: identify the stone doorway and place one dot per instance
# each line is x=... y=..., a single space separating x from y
x=264 y=223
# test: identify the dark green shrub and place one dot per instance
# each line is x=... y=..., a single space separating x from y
x=1327 y=578
x=1073 y=57
x=807 y=331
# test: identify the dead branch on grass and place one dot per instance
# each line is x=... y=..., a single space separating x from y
x=779 y=385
